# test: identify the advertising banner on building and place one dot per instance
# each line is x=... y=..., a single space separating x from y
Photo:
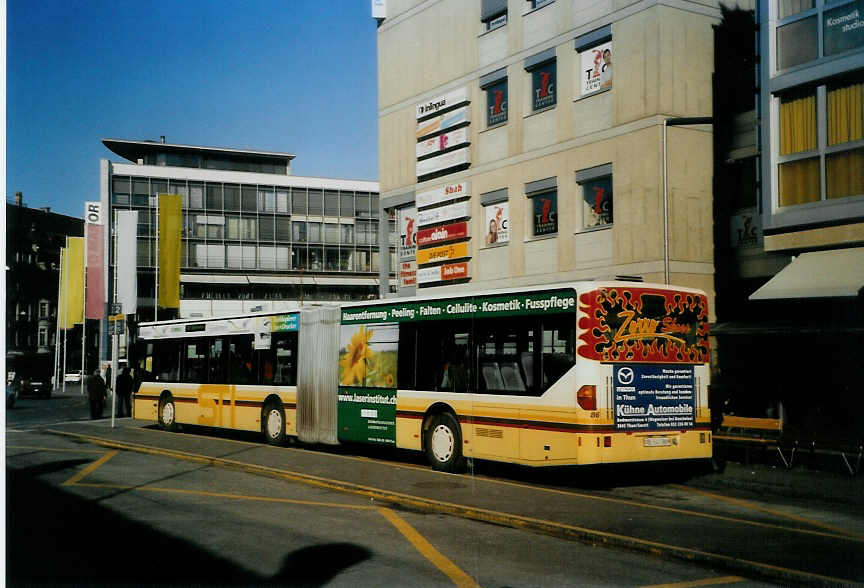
x=170 y=232
x=545 y=207
x=443 y=122
x=442 y=142
x=596 y=70
x=497 y=223
x=407 y=233
x=654 y=397
x=443 y=194
x=449 y=100
x=127 y=257
x=457 y=158
x=94 y=304
x=72 y=284
x=442 y=253
x=442 y=273
x=442 y=234
x=597 y=202
x=444 y=213
x=407 y=274
x=746 y=229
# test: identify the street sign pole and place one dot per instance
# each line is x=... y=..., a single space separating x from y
x=114 y=322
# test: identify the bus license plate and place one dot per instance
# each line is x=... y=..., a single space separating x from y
x=657 y=442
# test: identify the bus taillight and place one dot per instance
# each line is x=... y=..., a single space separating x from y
x=587 y=397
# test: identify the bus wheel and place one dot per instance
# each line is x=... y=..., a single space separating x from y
x=444 y=444
x=167 y=415
x=273 y=423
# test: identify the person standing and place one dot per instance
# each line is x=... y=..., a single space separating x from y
x=124 y=393
x=97 y=392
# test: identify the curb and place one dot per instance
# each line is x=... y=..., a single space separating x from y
x=560 y=530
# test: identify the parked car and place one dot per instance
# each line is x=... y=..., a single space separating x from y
x=73 y=377
x=11 y=389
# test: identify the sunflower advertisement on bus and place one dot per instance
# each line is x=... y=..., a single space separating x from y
x=367 y=382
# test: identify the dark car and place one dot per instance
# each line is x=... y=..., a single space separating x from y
x=30 y=376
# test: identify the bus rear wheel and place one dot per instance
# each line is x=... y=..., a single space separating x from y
x=167 y=414
x=273 y=423
x=444 y=444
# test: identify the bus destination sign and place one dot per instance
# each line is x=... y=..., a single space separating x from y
x=490 y=306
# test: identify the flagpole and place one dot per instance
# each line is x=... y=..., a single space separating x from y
x=57 y=329
x=65 y=309
x=114 y=330
x=84 y=308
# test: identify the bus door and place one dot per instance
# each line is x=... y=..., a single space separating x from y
x=210 y=395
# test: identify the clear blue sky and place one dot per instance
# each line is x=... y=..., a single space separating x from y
x=295 y=76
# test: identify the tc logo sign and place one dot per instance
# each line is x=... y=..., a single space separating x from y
x=626 y=376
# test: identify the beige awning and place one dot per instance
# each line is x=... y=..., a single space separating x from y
x=819 y=274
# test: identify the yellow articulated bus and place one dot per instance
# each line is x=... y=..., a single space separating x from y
x=566 y=374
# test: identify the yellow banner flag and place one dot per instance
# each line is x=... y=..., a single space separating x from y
x=72 y=287
x=170 y=232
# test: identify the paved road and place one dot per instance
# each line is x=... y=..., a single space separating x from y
x=211 y=491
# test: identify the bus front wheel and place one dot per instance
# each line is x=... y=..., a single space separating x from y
x=444 y=443
x=273 y=423
x=167 y=414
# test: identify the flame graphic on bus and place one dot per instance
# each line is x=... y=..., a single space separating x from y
x=644 y=325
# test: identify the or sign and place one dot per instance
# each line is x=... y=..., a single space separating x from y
x=442 y=142
x=93 y=213
x=497 y=223
x=407 y=274
x=443 y=253
x=407 y=233
x=654 y=397
x=443 y=194
x=545 y=207
x=443 y=162
x=844 y=28
x=539 y=303
x=596 y=71
x=442 y=234
x=454 y=98
x=442 y=273
x=442 y=122
x=444 y=213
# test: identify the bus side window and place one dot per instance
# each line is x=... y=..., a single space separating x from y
x=216 y=362
x=166 y=361
x=194 y=361
x=444 y=356
x=559 y=342
x=407 y=360
x=285 y=347
x=240 y=360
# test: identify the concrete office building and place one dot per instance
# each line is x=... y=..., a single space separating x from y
x=254 y=236
x=505 y=140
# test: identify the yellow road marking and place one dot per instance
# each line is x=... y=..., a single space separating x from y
x=556 y=529
x=34 y=448
x=428 y=551
x=697 y=583
x=771 y=511
x=836 y=533
x=90 y=468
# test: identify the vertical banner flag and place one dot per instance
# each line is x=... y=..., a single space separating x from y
x=127 y=258
x=73 y=283
x=170 y=227
x=94 y=305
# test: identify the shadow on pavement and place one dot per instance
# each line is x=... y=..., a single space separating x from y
x=55 y=538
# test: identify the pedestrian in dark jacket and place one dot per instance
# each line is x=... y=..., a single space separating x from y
x=97 y=392
x=124 y=393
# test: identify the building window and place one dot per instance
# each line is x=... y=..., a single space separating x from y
x=789 y=7
x=493 y=14
x=806 y=155
x=43 y=336
x=539 y=3
x=543 y=85
x=803 y=24
x=594 y=61
x=494 y=85
x=543 y=195
x=44 y=309
x=797 y=42
x=596 y=184
x=496 y=217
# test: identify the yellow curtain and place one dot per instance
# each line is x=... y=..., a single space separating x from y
x=846 y=114
x=170 y=231
x=799 y=182
x=845 y=174
x=798 y=125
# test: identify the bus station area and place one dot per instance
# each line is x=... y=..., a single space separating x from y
x=206 y=505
